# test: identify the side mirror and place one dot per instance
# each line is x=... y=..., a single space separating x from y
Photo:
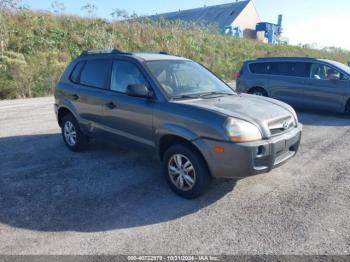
x=138 y=90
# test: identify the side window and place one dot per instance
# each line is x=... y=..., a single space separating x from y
x=324 y=72
x=299 y=69
x=74 y=77
x=283 y=68
x=124 y=74
x=264 y=68
x=95 y=73
x=260 y=68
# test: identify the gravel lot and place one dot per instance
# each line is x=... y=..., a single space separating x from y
x=111 y=201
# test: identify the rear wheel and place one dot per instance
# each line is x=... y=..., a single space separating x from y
x=258 y=91
x=74 y=139
x=186 y=171
x=347 y=108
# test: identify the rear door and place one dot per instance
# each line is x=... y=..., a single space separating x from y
x=90 y=85
x=289 y=81
x=325 y=88
x=283 y=80
x=126 y=116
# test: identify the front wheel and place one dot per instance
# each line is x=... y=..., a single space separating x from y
x=186 y=171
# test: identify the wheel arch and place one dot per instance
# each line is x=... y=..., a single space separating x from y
x=257 y=87
x=169 y=140
x=62 y=112
x=347 y=106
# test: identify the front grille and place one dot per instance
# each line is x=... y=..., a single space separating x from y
x=281 y=125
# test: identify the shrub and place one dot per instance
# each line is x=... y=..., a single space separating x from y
x=39 y=45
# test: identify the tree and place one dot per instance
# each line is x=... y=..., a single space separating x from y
x=90 y=9
x=120 y=14
x=9 y=4
x=58 y=7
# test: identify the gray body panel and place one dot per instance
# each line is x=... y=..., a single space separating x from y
x=305 y=92
x=198 y=121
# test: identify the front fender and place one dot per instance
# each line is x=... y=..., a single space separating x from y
x=173 y=130
x=176 y=130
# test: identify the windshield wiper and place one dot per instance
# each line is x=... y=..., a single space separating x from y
x=202 y=95
x=215 y=93
x=185 y=97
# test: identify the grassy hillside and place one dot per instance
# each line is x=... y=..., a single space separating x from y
x=37 y=46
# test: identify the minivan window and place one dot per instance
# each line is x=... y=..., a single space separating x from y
x=341 y=66
x=324 y=72
x=125 y=74
x=95 y=73
x=297 y=69
x=262 y=68
x=76 y=72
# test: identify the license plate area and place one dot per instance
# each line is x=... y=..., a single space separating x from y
x=285 y=149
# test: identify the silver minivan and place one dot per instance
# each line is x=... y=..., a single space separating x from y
x=301 y=82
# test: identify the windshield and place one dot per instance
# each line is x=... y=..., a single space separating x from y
x=343 y=67
x=187 y=79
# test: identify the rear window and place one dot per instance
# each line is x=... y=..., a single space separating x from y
x=298 y=69
x=95 y=73
x=261 y=68
x=76 y=72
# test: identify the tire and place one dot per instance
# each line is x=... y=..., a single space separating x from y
x=258 y=91
x=74 y=139
x=347 y=108
x=197 y=173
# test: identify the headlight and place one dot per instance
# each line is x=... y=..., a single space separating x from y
x=242 y=131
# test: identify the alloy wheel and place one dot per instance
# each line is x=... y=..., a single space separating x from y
x=70 y=133
x=182 y=172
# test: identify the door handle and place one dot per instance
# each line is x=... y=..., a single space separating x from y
x=111 y=105
x=75 y=97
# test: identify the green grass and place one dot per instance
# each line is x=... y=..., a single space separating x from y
x=38 y=46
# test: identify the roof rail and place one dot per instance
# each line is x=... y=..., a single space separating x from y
x=102 y=51
x=155 y=52
x=286 y=57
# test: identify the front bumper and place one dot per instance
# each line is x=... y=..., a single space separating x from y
x=247 y=159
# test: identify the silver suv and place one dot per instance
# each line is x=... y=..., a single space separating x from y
x=197 y=125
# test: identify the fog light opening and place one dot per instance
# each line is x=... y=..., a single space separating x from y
x=260 y=150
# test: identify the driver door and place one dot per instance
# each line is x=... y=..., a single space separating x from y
x=126 y=116
x=325 y=89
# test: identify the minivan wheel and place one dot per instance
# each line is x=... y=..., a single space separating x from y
x=186 y=172
x=74 y=139
x=347 y=108
x=258 y=92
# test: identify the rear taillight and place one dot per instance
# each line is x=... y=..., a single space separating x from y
x=237 y=75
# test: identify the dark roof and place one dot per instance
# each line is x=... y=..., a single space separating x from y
x=145 y=56
x=286 y=58
x=222 y=15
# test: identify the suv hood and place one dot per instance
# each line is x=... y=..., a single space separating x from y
x=262 y=111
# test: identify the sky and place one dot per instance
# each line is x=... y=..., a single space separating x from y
x=320 y=22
